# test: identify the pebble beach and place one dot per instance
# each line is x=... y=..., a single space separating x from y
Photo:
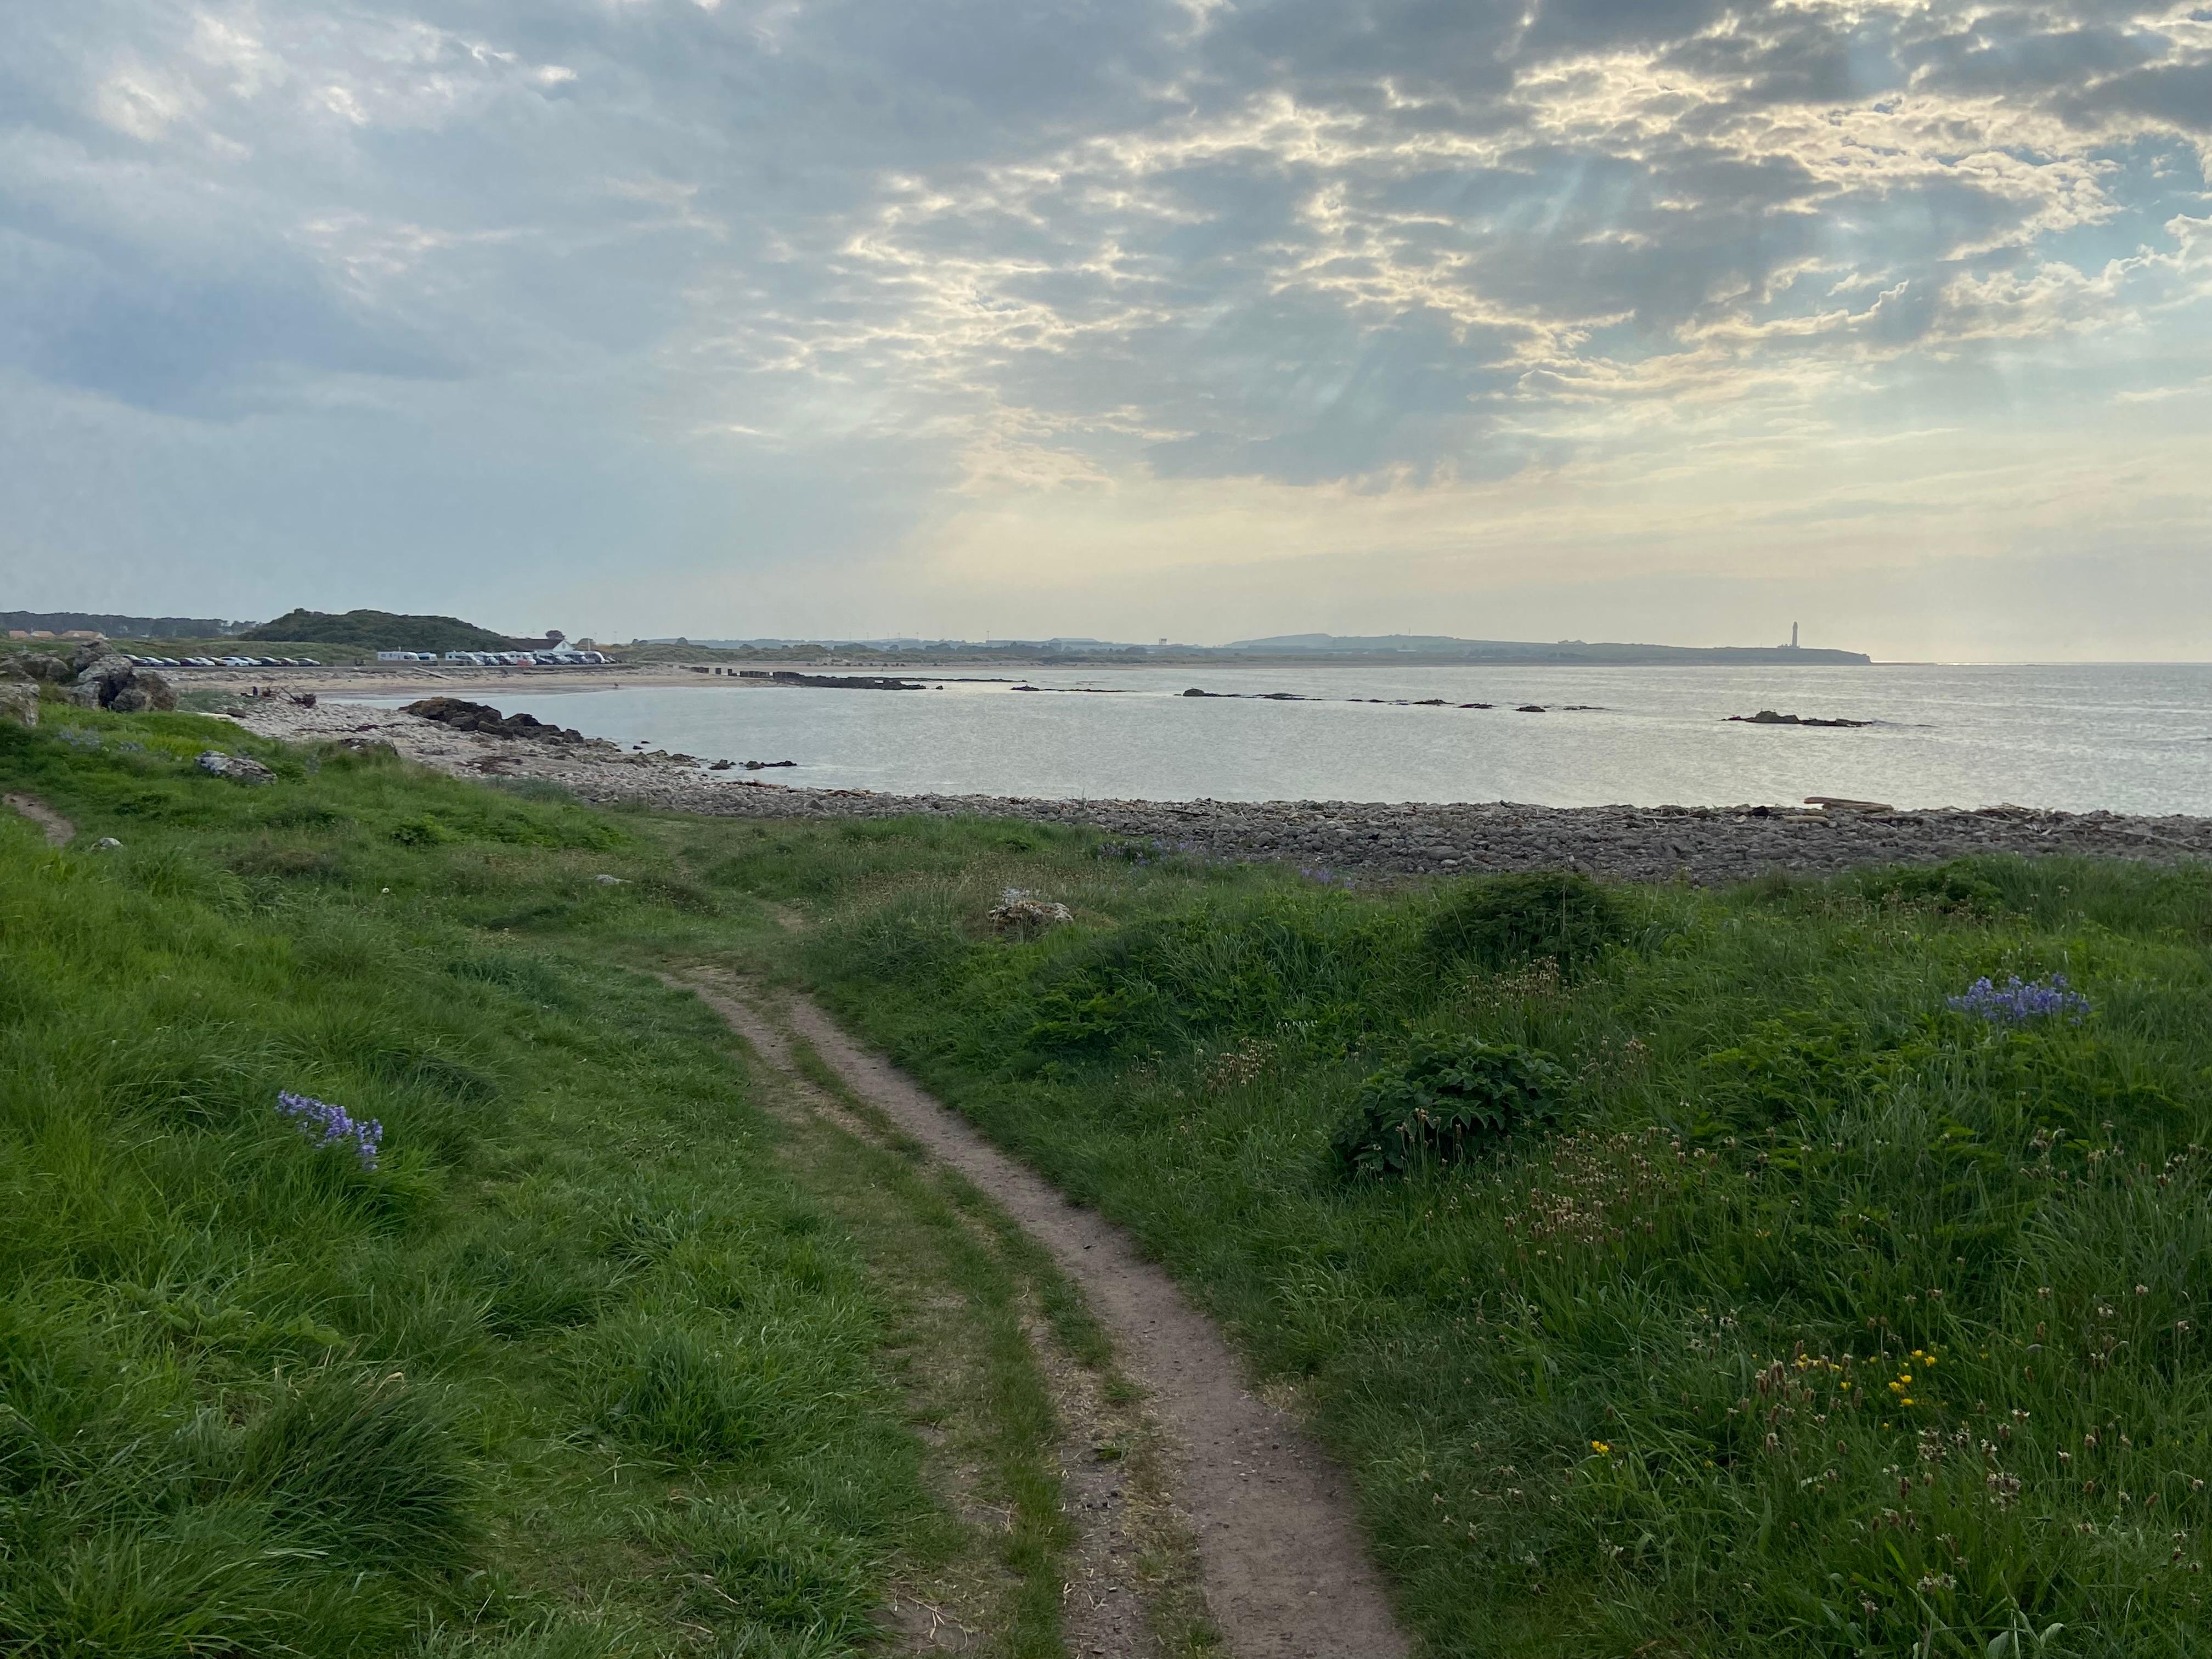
x=1702 y=844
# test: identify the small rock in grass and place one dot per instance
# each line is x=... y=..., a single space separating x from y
x=107 y=844
x=240 y=768
x=609 y=881
x=1018 y=914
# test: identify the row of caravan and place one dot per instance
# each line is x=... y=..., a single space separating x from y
x=503 y=658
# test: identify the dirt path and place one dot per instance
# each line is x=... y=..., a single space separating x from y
x=1128 y=1562
x=58 y=830
x=1286 y=1575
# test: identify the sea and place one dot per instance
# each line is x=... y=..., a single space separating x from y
x=2134 y=738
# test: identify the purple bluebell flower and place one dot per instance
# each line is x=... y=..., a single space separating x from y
x=331 y=1126
x=2015 y=1002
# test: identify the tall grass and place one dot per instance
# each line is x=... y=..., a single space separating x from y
x=1828 y=1320
x=573 y=1370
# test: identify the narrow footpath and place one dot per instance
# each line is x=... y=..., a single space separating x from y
x=1284 y=1573
x=58 y=830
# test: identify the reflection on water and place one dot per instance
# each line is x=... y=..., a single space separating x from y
x=2132 y=738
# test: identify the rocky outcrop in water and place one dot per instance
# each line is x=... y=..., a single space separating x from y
x=833 y=682
x=1768 y=717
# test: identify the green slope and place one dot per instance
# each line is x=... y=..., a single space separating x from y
x=381 y=630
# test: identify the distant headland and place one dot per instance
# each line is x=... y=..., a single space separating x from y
x=1427 y=649
x=356 y=635
x=1439 y=648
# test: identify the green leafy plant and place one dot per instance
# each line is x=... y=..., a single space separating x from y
x=1954 y=889
x=1503 y=921
x=1447 y=1099
x=424 y=829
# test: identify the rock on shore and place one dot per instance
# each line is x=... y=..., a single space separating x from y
x=465 y=716
x=1705 y=844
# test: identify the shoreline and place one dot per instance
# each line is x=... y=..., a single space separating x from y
x=1702 y=844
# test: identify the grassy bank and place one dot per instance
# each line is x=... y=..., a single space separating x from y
x=572 y=1366
x=1797 y=1313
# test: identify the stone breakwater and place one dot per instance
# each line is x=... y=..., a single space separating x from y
x=1705 y=844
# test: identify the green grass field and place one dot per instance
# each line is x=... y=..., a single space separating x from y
x=1817 y=1319
x=1769 y=1305
x=576 y=1368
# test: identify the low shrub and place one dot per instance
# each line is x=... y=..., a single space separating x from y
x=1445 y=1100
x=1504 y=922
x=424 y=829
x=1957 y=888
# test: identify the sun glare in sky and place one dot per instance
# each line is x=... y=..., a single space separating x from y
x=1643 y=319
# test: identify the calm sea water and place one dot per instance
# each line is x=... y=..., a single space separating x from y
x=2135 y=738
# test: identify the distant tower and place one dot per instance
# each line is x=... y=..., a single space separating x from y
x=1793 y=636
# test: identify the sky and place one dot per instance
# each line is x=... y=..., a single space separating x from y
x=1654 y=319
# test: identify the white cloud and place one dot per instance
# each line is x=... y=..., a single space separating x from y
x=1176 y=284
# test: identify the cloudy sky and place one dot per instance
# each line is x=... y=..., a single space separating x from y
x=1620 y=319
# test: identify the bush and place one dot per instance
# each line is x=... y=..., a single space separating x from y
x=1955 y=888
x=1446 y=1100
x=424 y=829
x=1504 y=922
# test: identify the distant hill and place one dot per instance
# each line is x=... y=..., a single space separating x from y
x=121 y=627
x=1434 y=647
x=381 y=630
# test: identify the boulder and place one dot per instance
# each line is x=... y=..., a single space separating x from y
x=461 y=716
x=108 y=662
x=1020 y=914
x=19 y=702
x=113 y=682
x=240 y=768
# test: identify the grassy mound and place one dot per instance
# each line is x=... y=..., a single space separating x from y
x=566 y=1367
x=1826 y=1318
x=381 y=630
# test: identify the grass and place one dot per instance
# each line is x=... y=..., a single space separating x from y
x=1810 y=1316
x=578 y=1367
x=1826 y=1320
